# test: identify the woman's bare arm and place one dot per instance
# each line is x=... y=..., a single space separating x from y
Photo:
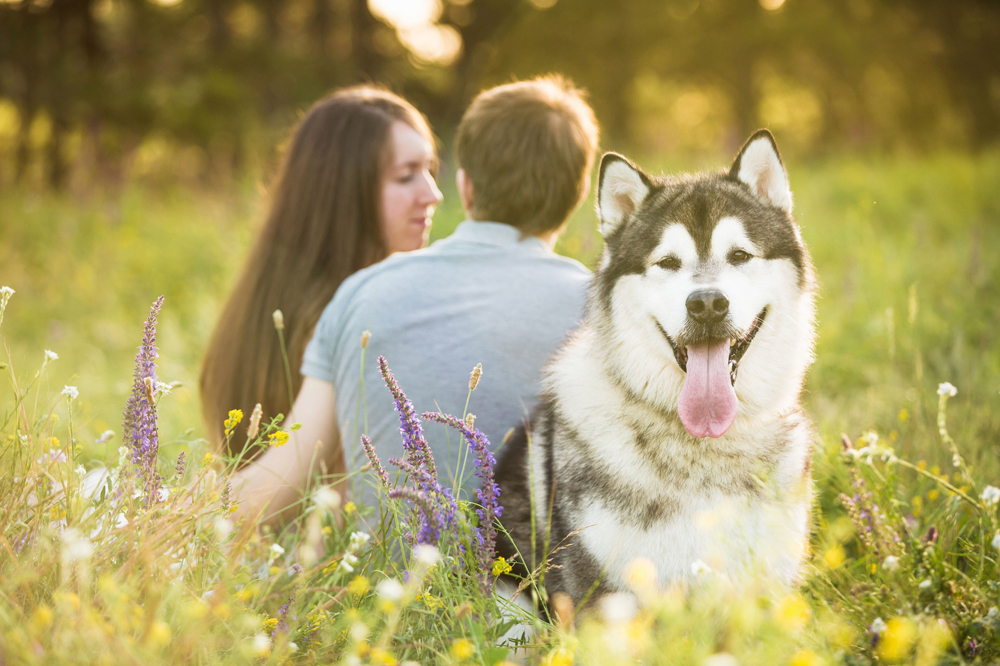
x=276 y=481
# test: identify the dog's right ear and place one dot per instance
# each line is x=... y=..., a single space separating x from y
x=620 y=190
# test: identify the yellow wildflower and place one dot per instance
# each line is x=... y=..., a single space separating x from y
x=641 y=574
x=277 y=438
x=933 y=494
x=805 y=658
x=462 y=648
x=897 y=639
x=558 y=657
x=834 y=557
x=430 y=600
x=350 y=508
x=42 y=617
x=501 y=566
x=792 y=613
x=207 y=460
x=159 y=634
x=381 y=657
x=270 y=624
x=903 y=415
x=235 y=416
x=358 y=586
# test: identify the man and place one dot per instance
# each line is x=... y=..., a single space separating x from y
x=493 y=293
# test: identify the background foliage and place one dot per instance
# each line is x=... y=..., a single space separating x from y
x=102 y=90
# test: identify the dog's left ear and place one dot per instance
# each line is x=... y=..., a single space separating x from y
x=759 y=166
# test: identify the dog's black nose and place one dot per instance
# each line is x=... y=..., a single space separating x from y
x=707 y=306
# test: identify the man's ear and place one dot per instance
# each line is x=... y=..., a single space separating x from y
x=759 y=167
x=465 y=193
x=621 y=188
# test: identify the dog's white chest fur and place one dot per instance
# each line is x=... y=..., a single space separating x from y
x=728 y=536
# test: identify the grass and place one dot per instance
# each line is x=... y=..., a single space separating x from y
x=906 y=253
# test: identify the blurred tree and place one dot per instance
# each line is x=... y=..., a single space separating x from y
x=201 y=88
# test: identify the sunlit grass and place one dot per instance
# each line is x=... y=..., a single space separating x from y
x=906 y=253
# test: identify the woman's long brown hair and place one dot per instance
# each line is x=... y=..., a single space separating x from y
x=322 y=226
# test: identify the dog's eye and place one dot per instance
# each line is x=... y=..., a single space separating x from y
x=739 y=257
x=670 y=263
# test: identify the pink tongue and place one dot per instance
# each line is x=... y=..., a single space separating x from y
x=707 y=406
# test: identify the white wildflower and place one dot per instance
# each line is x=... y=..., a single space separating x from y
x=991 y=495
x=71 y=392
x=223 y=528
x=948 y=389
x=618 y=607
x=75 y=546
x=698 y=568
x=164 y=388
x=293 y=646
x=925 y=584
x=277 y=550
x=390 y=589
x=81 y=471
x=956 y=460
x=327 y=497
x=878 y=626
x=261 y=645
x=996 y=541
x=427 y=554
x=6 y=292
x=890 y=563
x=50 y=355
x=163 y=494
x=348 y=561
x=358 y=539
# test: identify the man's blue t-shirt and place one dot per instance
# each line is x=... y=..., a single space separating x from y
x=482 y=295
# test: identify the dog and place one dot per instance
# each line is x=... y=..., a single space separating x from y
x=669 y=427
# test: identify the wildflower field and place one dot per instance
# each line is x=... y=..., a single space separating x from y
x=119 y=542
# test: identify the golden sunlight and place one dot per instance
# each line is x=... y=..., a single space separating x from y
x=407 y=14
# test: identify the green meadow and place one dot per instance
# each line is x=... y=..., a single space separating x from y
x=902 y=569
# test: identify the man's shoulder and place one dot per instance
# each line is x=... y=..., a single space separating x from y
x=405 y=271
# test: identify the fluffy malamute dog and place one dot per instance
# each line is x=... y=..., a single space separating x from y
x=670 y=427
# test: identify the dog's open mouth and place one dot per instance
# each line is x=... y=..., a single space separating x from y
x=707 y=404
x=737 y=346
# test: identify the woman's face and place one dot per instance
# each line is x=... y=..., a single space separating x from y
x=409 y=193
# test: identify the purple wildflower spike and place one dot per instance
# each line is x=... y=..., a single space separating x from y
x=140 y=433
x=179 y=468
x=437 y=503
x=376 y=464
x=282 y=624
x=418 y=451
x=488 y=494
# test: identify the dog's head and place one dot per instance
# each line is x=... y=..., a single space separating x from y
x=704 y=295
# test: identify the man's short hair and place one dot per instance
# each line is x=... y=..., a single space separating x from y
x=528 y=148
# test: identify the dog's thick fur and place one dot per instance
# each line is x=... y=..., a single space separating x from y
x=610 y=457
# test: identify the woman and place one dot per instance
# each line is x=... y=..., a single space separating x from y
x=357 y=184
